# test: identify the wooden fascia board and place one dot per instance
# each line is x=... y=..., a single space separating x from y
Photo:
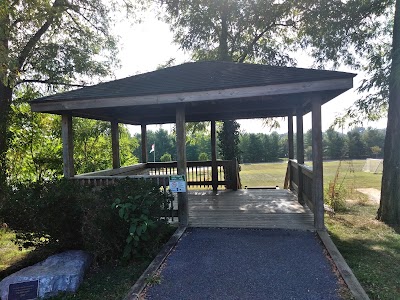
x=213 y=117
x=268 y=90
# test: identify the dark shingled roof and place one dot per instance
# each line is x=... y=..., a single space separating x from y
x=197 y=76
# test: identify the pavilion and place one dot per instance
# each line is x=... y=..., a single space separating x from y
x=208 y=91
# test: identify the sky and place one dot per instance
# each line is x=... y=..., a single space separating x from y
x=145 y=46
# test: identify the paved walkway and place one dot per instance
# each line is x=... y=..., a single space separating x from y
x=246 y=264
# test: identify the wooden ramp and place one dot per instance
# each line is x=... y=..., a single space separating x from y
x=255 y=208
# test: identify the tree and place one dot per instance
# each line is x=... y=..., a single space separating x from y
x=255 y=150
x=334 y=144
x=356 y=33
x=374 y=138
x=228 y=137
x=51 y=42
x=355 y=144
x=203 y=156
x=227 y=30
x=389 y=208
x=376 y=150
x=35 y=142
x=166 y=157
x=239 y=30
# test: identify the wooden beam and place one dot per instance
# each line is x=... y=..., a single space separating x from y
x=214 y=166
x=143 y=136
x=68 y=146
x=183 y=209
x=274 y=89
x=290 y=146
x=290 y=137
x=208 y=116
x=318 y=188
x=300 y=152
x=115 y=145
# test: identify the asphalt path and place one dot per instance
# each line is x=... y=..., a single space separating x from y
x=246 y=264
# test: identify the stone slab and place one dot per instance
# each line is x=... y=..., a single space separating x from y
x=61 y=272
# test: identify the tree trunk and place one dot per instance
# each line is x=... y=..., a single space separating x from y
x=223 y=39
x=5 y=108
x=389 y=208
x=5 y=98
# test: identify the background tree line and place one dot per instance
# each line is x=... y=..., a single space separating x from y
x=359 y=143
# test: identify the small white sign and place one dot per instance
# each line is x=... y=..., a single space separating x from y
x=177 y=183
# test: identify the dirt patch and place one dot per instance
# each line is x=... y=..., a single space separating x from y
x=373 y=194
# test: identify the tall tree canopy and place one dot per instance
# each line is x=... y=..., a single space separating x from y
x=356 y=33
x=52 y=42
x=228 y=30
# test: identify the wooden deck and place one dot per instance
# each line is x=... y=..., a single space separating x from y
x=253 y=208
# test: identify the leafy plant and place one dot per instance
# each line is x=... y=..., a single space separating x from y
x=203 y=156
x=335 y=194
x=143 y=213
x=166 y=157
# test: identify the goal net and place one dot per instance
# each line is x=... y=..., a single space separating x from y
x=373 y=165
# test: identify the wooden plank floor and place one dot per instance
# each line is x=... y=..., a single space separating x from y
x=255 y=208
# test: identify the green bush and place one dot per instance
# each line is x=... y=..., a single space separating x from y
x=65 y=215
x=203 y=156
x=166 y=157
x=335 y=196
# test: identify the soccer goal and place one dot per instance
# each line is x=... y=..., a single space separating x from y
x=373 y=165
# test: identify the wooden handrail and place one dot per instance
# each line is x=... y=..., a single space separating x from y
x=198 y=172
x=306 y=187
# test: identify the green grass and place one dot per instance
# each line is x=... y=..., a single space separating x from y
x=264 y=174
x=9 y=252
x=109 y=282
x=273 y=174
x=371 y=248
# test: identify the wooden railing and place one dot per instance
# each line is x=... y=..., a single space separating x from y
x=299 y=178
x=199 y=173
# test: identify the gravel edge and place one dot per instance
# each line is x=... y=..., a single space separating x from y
x=136 y=290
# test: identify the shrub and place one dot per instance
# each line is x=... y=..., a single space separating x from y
x=203 y=156
x=166 y=157
x=335 y=194
x=46 y=213
x=65 y=215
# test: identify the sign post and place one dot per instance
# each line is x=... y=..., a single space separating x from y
x=177 y=183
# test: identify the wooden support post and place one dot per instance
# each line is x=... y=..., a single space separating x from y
x=300 y=153
x=68 y=146
x=144 y=143
x=290 y=137
x=291 y=148
x=214 y=166
x=183 y=210
x=115 y=145
x=318 y=188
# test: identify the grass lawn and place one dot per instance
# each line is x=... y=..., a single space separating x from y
x=9 y=252
x=371 y=248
